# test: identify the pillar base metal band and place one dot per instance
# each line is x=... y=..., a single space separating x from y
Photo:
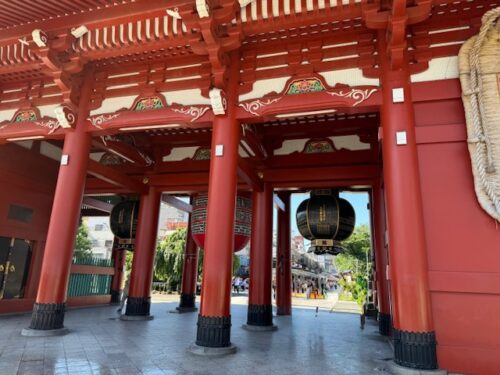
x=284 y=311
x=214 y=331
x=415 y=349
x=138 y=306
x=212 y=352
x=48 y=316
x=28 y=332
x=260 y=315
x=187 y=301
x=371 y=310
x=384 y=324
x=115 y=296
x=182 y=310
x=252 y=328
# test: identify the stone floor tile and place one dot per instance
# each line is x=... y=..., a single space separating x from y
x=305 y=343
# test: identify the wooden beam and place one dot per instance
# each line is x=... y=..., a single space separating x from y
x=123 y=150
x=116 y=178
x=97 y=18
x=97 y=204
x=279 y=203
x=252 y=144
x=247 y=173
x=176 y=203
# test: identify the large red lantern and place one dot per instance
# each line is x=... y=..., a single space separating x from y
x=242 y=223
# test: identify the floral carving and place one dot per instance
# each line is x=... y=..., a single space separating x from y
x=305 y=86
x=51 y=124
x=318 y=146
x=194 y=112
x=97 y=121
x=24 y=116
x=357 y=95
x=146 y=104
x=202 y=154
x=255 y=105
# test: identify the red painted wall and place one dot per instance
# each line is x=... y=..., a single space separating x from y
x=27 y=179
x=463 y=242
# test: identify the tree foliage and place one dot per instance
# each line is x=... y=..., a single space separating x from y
x=83 y=243
x=357 y=252
x=356 y=259
x=169 y=259
x=236 y=263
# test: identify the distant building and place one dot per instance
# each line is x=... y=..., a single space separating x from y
x=170 y=220
x=101 y=236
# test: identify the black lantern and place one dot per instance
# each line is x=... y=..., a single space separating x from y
x=325 y=219
x=123 y=223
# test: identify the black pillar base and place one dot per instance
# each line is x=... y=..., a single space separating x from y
x=187 y=301
x=415 y=349
x=138 y=306
x=370 y=310
x=47 y=316
x=384 y=324
x=214 y=331
x=115 y=296
x=260 y=315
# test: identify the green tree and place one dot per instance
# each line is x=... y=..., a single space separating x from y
x=236 y=263
x=357 y=247
x=356 y=259
x=83 y=243
x=169 y=259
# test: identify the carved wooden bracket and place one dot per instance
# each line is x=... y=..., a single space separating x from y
x=60 y=63
x=395 y=21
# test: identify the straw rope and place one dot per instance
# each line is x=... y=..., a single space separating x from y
x=479 y=65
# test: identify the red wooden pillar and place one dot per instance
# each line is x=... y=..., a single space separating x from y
x=214 y=320
x=413 y=333
x=260 y=309
x=118 y=256
x=283 y=263
x=48 y=311
x=381 y=261
x=141 y=277
x=189 y=273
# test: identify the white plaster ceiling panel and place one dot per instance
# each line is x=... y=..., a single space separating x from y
x=290 y=146
x=440 y=68
x=96 y=156
x=49 y=150
x=7 y=114
x=48 y=110
x=349 y=142
x=25 y=144
x=113 y=104
x=351 y=77
x=264 y=87
x=242 y=152
x=180 y=153
x=186 y=97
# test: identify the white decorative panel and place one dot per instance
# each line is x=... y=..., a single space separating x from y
x=186 y=97
x=440 y=68
x=264 y=87
x=7 y=114
x=113 y=104
x=351 y=77
x=50 y=151
x=349 y=142
x=294 y=145
x=180 y=153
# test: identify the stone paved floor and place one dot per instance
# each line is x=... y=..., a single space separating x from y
x=306 y=343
